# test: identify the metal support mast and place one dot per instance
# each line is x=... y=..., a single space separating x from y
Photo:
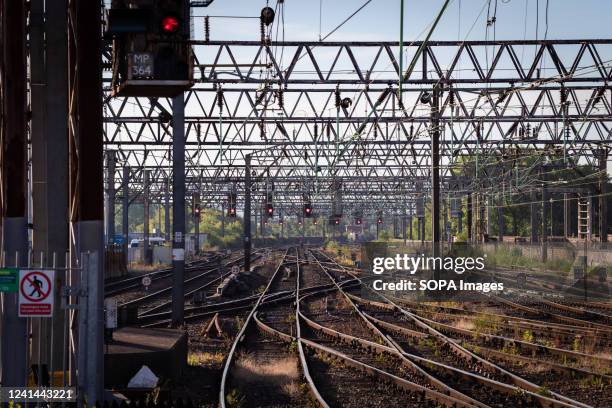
x=603 y=197
x=435 y=175
x=87 y=184
x=14 y=174
x=247 y=213
x=178 y=209
x=125 y=211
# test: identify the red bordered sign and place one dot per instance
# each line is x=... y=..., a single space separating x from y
x=36 y=294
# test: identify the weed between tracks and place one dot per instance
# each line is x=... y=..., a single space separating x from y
x=283 y=373
x=205 y=359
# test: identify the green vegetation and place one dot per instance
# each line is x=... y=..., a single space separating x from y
x=210 y=224
x=293 y=347
x=341 y=253
x=513 y=257
x=544 y=391
x=235 y=399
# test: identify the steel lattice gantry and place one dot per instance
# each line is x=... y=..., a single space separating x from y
x=498 y=99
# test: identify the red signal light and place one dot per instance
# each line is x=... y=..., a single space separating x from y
x=358 y=221
x=380 y=221
x=170 y=24
x=337 y=221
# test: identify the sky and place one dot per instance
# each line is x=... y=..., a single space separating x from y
x=379 y=20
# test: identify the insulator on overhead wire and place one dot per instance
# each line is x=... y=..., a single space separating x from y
x=220 y=99
x=337 y=96
x=598 y=95
x=261 y=95
x=207 y=29
x=281 y=99
x=262 y=28
x=563 y=95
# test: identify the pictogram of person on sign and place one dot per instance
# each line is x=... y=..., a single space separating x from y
x=36 y=285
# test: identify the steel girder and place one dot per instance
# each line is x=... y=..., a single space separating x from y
x=248 y=99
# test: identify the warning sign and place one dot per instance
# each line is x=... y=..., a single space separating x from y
x=36 y=293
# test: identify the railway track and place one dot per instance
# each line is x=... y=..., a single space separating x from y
x=248 y=340
x=117 y=287
x=480 y=389
x=480 y=317
x=205 y=278
x=553 y=398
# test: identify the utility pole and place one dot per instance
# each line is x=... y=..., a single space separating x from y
x=500 y=217
x=167 y=209
x=469 y=220
x=544 y=223
x=534 y=217
x=435 y=175
x=222 y=220
x=603 y=198
x=146 y=189
x=111 y=159
x=125 y=213
x=14 y=175
x=247 y=213
x=87 y=186
x=178 y=209
x=566 y=219
x=410 y=223
x=196 y=222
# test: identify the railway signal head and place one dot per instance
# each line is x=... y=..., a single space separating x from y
x=151 y=47
x=269 y=210
x=379 y=220
x=231 y=200
x=308 y=210
x=358 y=221
x=170 y=25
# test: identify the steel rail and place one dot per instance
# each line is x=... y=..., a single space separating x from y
x=533 y=389
x=120 y=286
x=154 y=295
x=229 y=360
x=433 y=381
x=472 y=334
x=546 y=329
x=554 y=316
x=300 y=343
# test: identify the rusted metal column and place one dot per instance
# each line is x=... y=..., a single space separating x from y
x=13 y=161
x=87 y=184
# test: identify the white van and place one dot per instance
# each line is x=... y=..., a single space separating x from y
x=153 y=241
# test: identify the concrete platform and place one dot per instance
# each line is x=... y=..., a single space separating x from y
x=164 y=351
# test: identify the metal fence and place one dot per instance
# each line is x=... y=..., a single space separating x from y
x=51 y=356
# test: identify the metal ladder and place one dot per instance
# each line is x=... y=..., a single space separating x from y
x=584 y=218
